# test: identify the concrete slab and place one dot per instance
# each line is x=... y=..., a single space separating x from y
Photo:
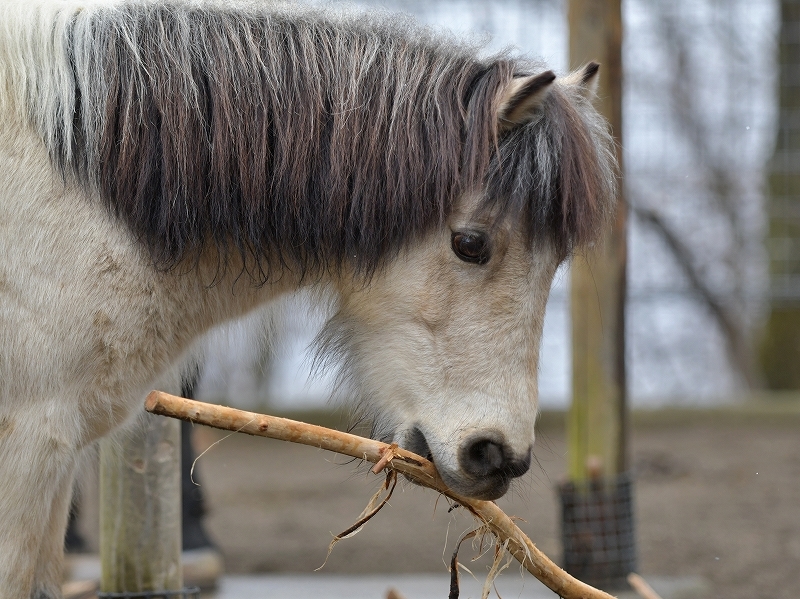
x=331 y=586
x=416 y=586
x=376 y=586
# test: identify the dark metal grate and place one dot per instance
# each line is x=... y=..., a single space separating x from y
x=598 y=532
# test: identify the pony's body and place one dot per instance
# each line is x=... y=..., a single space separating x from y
x=165 y=167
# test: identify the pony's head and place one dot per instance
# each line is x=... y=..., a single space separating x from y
x=443 y=343
x=438 y=191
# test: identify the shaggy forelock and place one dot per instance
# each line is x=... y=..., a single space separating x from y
x=293 y=137
x=557 y=174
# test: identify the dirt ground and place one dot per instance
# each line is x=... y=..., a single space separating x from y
x=717 y=495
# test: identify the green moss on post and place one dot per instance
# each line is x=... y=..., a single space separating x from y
x=596 y=418
x=779 y=349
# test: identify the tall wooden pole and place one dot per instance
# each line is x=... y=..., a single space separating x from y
x=597 y=417
x=597 y=502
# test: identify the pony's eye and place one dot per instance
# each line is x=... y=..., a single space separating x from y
x=471 y=247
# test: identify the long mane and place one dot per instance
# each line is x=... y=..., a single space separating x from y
x=289 y=135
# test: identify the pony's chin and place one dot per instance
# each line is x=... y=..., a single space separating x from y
x=487 y=488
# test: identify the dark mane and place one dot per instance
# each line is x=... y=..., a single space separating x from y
x=303 y=140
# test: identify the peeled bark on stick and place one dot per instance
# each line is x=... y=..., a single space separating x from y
x=413 y=466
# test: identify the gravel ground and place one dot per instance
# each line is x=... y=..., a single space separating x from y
x=717 y=496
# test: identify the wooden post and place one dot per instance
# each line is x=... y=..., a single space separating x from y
x=597 y=418
x=140 y=509
x=597 y=502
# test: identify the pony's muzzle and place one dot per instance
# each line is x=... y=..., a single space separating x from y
x=483 y=456
x=486 y=463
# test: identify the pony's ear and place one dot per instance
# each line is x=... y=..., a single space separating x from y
x=522 y=98
x=585 y=79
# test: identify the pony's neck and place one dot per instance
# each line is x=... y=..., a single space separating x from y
x=228 y=289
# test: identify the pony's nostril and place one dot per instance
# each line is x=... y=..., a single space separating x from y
x=416 y=443
x=487 y=457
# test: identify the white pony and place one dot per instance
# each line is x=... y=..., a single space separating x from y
x=169 y=165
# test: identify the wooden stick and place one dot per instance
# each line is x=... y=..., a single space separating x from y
x=640 y=585
x=80 y=589
x=405 y=462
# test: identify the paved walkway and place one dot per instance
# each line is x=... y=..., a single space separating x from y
x=376 y=586
x=413 y=586
x=331 y=586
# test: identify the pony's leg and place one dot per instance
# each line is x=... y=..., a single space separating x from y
x=37 y=458
x=50 y=567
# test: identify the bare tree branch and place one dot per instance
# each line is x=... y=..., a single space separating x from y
x=738 y=344
x=721 y=191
